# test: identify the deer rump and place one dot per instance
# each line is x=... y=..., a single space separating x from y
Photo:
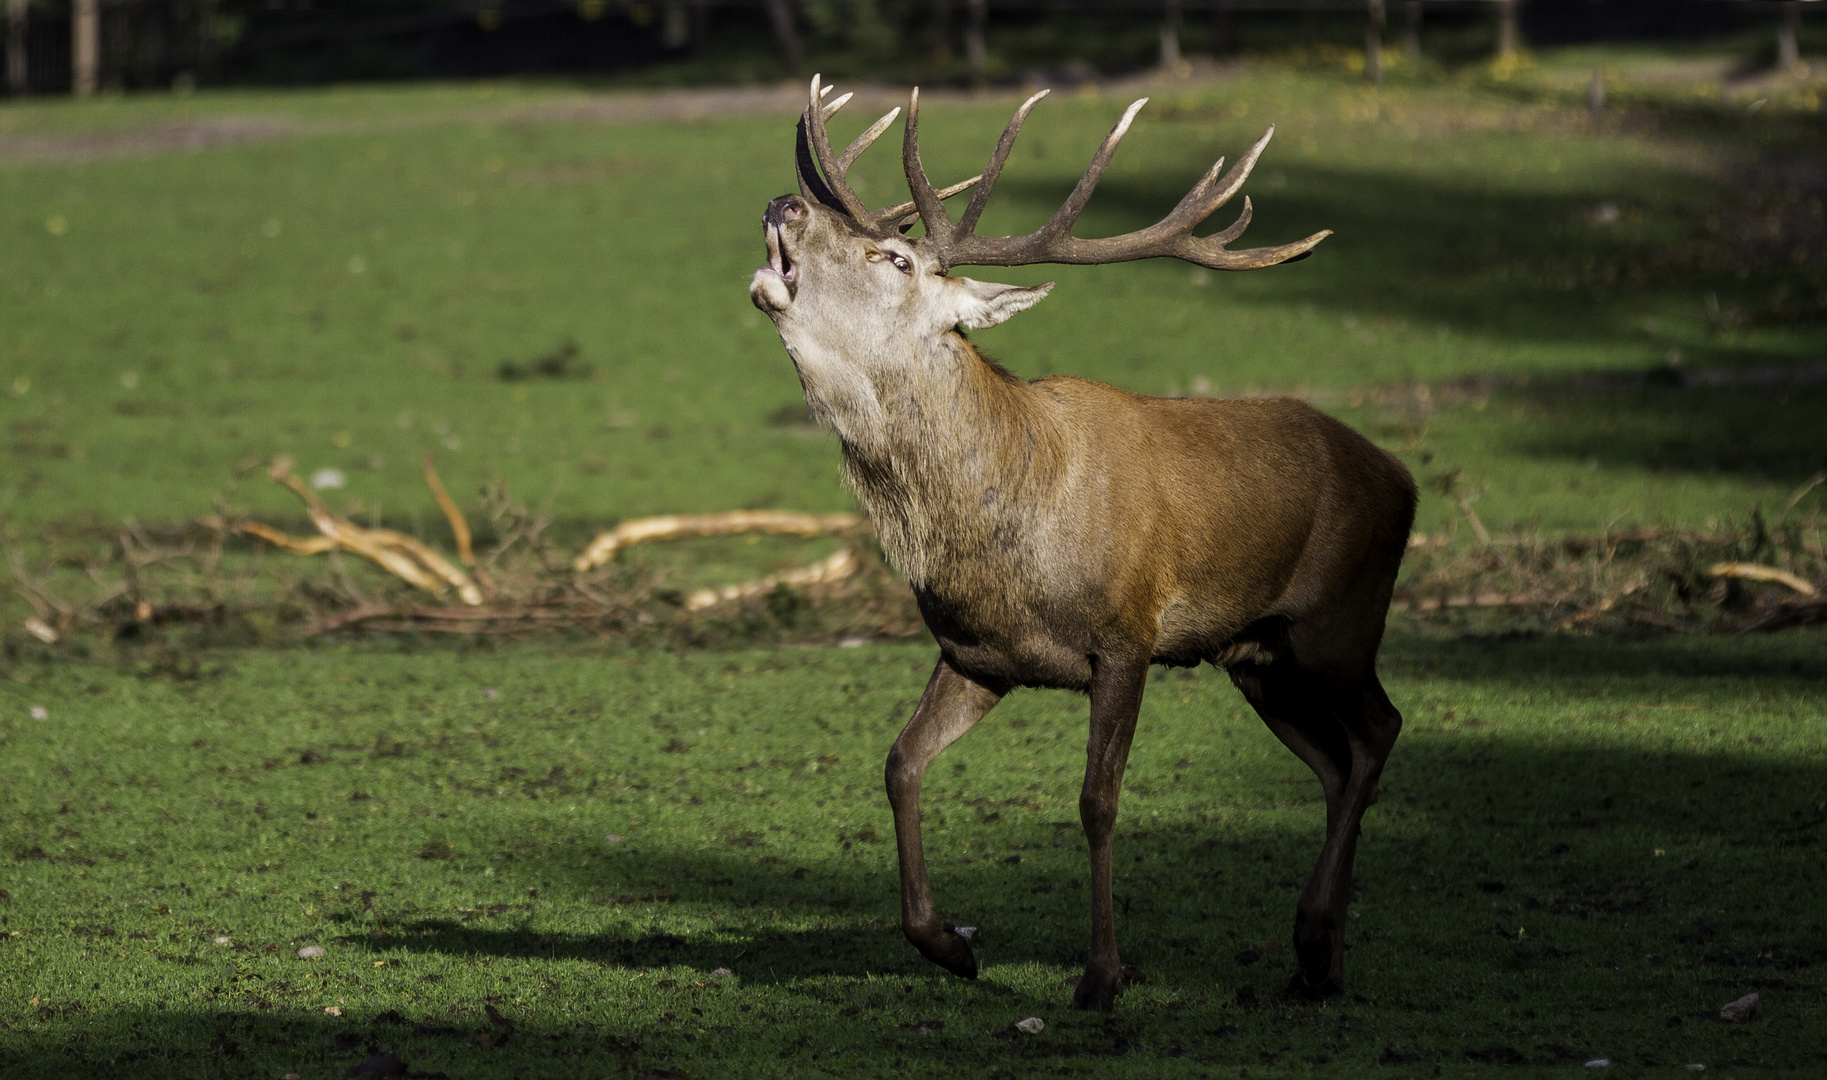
x=1067 y=534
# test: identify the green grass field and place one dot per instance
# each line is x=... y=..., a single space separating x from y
x=1583 y=850
x=349 y=295
x=1586 y=845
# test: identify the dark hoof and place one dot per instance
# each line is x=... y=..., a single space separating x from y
x=1096 y=993
x=949 y=949
x=1314 y=990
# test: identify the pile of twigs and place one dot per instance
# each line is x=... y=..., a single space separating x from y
x=211 y=575
x=521 y=585
x=1725 y=579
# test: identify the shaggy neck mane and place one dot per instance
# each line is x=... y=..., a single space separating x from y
x=958 y=446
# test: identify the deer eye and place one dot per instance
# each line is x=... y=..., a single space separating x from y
x=901 y=263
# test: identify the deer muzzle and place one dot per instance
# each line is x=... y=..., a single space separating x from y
x=776 y=284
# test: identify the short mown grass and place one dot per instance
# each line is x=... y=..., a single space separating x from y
x=1584 y=848
x=349 y=294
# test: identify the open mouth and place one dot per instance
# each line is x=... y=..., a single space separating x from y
x=777 y=256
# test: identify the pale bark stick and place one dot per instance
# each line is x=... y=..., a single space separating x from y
x=459 y=527
x=1756 y=572
x=680 y=526
x=839 y=566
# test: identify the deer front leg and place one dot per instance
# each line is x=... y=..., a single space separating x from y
x=951 y=706
x=1116 y=698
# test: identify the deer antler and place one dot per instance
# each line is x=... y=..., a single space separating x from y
x=957 y=244
x=823 y=175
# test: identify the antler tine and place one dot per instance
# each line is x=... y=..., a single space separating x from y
x=1209 y=251
x=842 y=197
x=811 y=184
x=865 y=140
x=1210 y=193
x=1068 y=213
x=1235 y=228
x=1053 y=242
x=967 y=222
x=932 y=210
x=904 y=212
x=1233 y=180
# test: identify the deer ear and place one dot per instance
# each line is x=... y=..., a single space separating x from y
x=982 y=304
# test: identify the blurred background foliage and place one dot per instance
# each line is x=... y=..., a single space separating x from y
x=152 y=44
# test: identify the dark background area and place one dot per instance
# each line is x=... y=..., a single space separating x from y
x=158 y=44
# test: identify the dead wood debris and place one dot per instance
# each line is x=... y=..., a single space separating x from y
x=416 y=564
x=1753 y=576
x=1727 y=579
x=400 y=555
x=676 y=527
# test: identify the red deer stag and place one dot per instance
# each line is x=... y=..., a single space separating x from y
x=1063 y=533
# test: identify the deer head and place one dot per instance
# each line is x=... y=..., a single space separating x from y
x=844 y=283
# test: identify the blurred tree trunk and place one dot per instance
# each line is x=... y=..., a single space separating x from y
x=1788 y=52
x=1509 y=36
x=700 y=23
x=1170 y=34
x=780 y=14
x=1411 y=32
x=675 y=25
x=975 y=50
x=85 y=46
x=1224 y=30
x=1373 y=42
x=942 y=26
x=15 y=47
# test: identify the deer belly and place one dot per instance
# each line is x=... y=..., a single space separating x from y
x=1022 y=647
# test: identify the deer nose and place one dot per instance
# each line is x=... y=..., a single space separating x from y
x=784 y=209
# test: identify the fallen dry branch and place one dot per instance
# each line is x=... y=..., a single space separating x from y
x=178 y=582
x=534 y=600
x=1478 y=600
x=682 y=526
x=839 y=566
x=459 y=525
x=400 y=555
x=1759 y=577
x=1757 y=572
x=452 y=620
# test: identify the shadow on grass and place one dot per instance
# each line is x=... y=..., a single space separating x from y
x=1522 y=266
x=1772 y=432
x=1565 y=822
x=1646 y=867
x=1531 y=270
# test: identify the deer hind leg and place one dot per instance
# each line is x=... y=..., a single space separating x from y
x=1116 y=699
x=1344 y=731
x=951 y=706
